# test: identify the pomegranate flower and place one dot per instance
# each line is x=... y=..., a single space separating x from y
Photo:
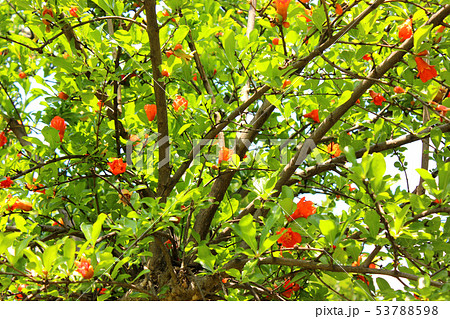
x=150 y=110
x=289 y=288
x=85 y=268
x=334 y=150
x=367 y=57
x=399 y=90
x=225 y=154
x=314 y=115
x=405 y=30
x=59 y=124
x=304 y=209
x=6 y=183
x=282 y=8
x=289 y=239
x=21 y=205
x=3 y=139
x=117 y=166
x=442 y=110
x=378 y=99
x=426 y=71
x=180 y=102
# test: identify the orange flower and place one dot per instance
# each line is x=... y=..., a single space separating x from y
x=165 y=73
x=442 y=110
x=338 y=9
x=117 y=166
x=437 y=201
x=333 y=149
x=63 y=96
x=6 y=183
x=275 y=41
x=350 y=188
x=426 y=71
x=59 y=223
x=165 y=13
x=286 y=83
x=150 y=110
x=85 y=268
x=22 y=75
x=304 y=209
x=169 y=53
x=378 y=99
x=21 y=295
x=125 y=197
x=20 y=204
x=289 y=239
x=3 y=139
x=180 y=101
x=405 y=30
x=33 y=187
x=314 y=115
x=73 y=12
x=59 y=124
x=289 y=288
x=225 y=154
x=282 y=8
x=45 y=12
x=367 y=57
x=399 y=90
x=438 y=31
x=178 y=47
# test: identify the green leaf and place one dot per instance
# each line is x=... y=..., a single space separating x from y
x=268 y=243
x=383 y=284
x=97 y=228
x=349 y=152
x=372 y=220
x=206 y=258
x=229 y=45
x=51 y=135
x=69 y=250
x=328 y=229
x=180 y=34
x=87 y=230
x=436 y=136
x=49 y=256
x=117 y=267
x=184 y=128
x=427 y=177
x=247 y=231
x=420 y=35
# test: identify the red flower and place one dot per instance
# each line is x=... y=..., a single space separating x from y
x=367 y=57
x=289 y=239
x=59 y=124
x=289 y=288
x=194 y=78
x=282 y=7
x=399 y=90
x=333 y=149
x=350 y=188
x=33 y=187
x=168 y=244
x=117 y=166
x=286 y=24
x=59 y=223
x=21 y=204
x=378 y=99
x=286 y=83
x=6 y=183
x=3 y=139
x=21 y=295
x=73 y=12
x=179 y=102
x=442 y=110
x=45 y=12
x=405 y=30
x=165 y=73
x=178 y=47
x=275 y=41
x=304 y=209
x=338 y=9
x=314 y=115
x=85 y=268
x=150 y=110
x=426 y=71
x=63 y=96
x=22 y=75
x=169 y=53
x=437 y=201
x=225 y=154
x=165 y=13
